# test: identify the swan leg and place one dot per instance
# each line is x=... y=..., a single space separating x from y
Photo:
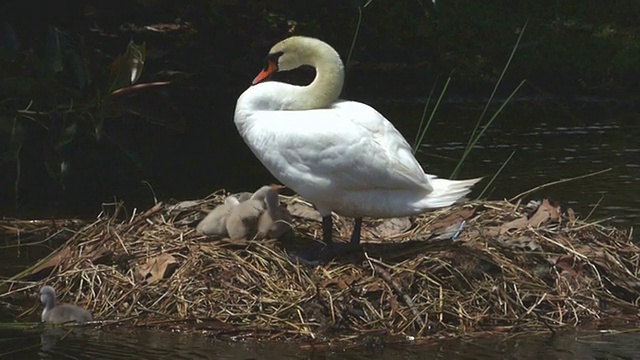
x=327 y=230
x=355 y=235
x=331 y=249
x=338 y=248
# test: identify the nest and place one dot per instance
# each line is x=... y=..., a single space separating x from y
x=477 y=267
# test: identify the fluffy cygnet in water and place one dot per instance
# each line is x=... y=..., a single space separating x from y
x=242 y=223
x=215 y=221
x=276 y=220
x=63 y=313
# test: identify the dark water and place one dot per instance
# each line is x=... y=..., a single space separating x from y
x=93 y=344
x=551 y=142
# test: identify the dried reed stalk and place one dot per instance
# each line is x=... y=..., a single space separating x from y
x=564 y=272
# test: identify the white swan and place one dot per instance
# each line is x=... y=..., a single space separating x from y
x=342 y=156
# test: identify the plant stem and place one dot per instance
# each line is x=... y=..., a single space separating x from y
x=473 y=143
x=423 y=131
x=475 y=136
x=496 y=175
x=353 y=41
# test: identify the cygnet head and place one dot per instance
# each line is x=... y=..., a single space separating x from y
x=261 y=193
x=48 y=297
x=231 y=201
x=276 y=220
x=214 y=222
x=271 y=198
x=268 y=194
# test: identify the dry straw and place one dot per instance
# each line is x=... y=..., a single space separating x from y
x=509 y=268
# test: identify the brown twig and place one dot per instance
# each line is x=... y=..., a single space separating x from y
x=561 y=271
x=540 y=187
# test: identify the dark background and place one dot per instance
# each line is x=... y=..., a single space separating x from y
x=66 y=145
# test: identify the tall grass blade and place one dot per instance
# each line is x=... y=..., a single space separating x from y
x=422 y=131
x=495 y=88
x=504 y=164
x=475 y=136
x=17 y=326
x=473 y=143
x=355 y=38
x=424 y=115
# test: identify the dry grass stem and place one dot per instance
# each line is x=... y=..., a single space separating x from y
x=510 y=268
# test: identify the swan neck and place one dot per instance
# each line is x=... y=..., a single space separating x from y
x=321 y=93
x=272 y=203
x=261 y=193
x=326 y=87
x=49 y=302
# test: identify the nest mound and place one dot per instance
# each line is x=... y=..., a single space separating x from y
x=481 y=266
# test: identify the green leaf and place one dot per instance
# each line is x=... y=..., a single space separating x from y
x=126 y=69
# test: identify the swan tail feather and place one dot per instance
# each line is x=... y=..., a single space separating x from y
x=447 y=192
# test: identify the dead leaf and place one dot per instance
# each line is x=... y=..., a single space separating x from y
x=372 y=287
x=390 y=227
x=342 y=282
x=491 y=231
x=158 y=268
x=94 y=254
x=304 y=211
x=46 y=267
x=451 y=219
x=452 y=232
x=522 y=242
x=517 y=224
x=546 y=212
x=567 y=264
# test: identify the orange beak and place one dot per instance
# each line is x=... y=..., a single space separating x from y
x=270 y=69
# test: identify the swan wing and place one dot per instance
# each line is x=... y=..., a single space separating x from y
x=349 y=146
x=386 y=140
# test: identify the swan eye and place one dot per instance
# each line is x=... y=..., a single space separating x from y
x=270 y=67
x=275 y=56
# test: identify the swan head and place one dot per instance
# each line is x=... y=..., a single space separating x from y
x=295 y=51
